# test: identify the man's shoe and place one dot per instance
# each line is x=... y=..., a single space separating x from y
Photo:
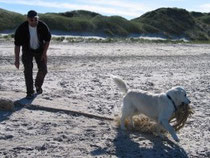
x=30 y=96
x=39 y=90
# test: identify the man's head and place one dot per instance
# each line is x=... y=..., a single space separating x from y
x=32 y=18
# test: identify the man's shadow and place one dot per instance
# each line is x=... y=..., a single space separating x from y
x=125 y=147
x=18 y=105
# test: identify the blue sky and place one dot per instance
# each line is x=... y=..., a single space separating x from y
x=126 y=8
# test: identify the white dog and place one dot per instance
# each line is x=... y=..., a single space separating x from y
x=158 y=107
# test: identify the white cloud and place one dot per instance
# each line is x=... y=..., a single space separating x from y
x=205 y=7
x=114 y=7
x=118 y=4
x=176 y=0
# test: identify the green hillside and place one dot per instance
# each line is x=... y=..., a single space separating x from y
x=167 y=22
x=90 y=22
x=9 y=20
x=174 y=22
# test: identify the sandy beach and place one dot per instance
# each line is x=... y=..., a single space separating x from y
x=78 y=83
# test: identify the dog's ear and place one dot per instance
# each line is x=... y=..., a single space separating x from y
x=173 y=93
x=177 y=93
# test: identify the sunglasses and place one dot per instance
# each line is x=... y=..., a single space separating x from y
x=33 y=20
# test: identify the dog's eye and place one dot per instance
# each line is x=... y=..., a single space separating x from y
x=185 y=95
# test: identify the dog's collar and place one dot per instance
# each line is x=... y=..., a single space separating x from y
x=172 y=102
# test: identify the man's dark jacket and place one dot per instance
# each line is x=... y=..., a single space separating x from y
x=22 y=35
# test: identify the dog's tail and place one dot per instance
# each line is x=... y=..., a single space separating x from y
x=120 y=83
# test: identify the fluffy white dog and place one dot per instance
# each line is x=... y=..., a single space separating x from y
x=158 y=107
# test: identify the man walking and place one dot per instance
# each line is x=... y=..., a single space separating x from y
x=34 y=37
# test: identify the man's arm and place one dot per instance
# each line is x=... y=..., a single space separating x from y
x=44 y=55
x=47 y=38
x=17 y=56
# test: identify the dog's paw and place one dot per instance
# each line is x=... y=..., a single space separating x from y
x=177 y=140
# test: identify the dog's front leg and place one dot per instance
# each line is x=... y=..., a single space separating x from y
x=171 y=130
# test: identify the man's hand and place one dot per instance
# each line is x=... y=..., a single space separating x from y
x=17 y=64
x=44 y=58
x=17 y=56
x=44 y=55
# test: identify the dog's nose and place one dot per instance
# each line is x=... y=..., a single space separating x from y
x=189 y=101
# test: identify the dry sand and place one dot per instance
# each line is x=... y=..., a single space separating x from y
x=78 y=80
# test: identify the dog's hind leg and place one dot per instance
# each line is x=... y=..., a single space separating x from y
x=127 y=112
x=122 y=122
x=131 y=121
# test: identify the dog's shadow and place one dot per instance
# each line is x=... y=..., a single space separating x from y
x=125 y=146
x=18 y=105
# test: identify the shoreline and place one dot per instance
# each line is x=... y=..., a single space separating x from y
x=94 y=38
